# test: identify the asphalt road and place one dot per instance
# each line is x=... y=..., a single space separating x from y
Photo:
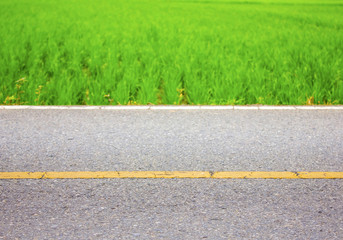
x=170 y=140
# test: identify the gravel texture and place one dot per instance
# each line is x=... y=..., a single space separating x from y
x=171 y=209
x=209 y=140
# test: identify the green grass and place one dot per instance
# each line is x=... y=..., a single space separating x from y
x=171 y=52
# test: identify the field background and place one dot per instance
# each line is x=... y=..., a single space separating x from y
x=100 y=52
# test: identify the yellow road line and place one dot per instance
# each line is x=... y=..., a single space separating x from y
x=171 y=174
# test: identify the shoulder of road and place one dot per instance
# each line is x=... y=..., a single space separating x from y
x=176 y=107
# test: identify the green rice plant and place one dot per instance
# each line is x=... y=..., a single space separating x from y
x=171 y=52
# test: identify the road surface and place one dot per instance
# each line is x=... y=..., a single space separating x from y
x=171 y=140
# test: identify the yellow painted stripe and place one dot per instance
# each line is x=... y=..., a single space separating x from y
x=171 y=174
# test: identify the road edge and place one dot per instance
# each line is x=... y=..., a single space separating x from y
x=174 y=107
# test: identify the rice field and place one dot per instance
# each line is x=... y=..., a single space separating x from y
x=101 y=52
